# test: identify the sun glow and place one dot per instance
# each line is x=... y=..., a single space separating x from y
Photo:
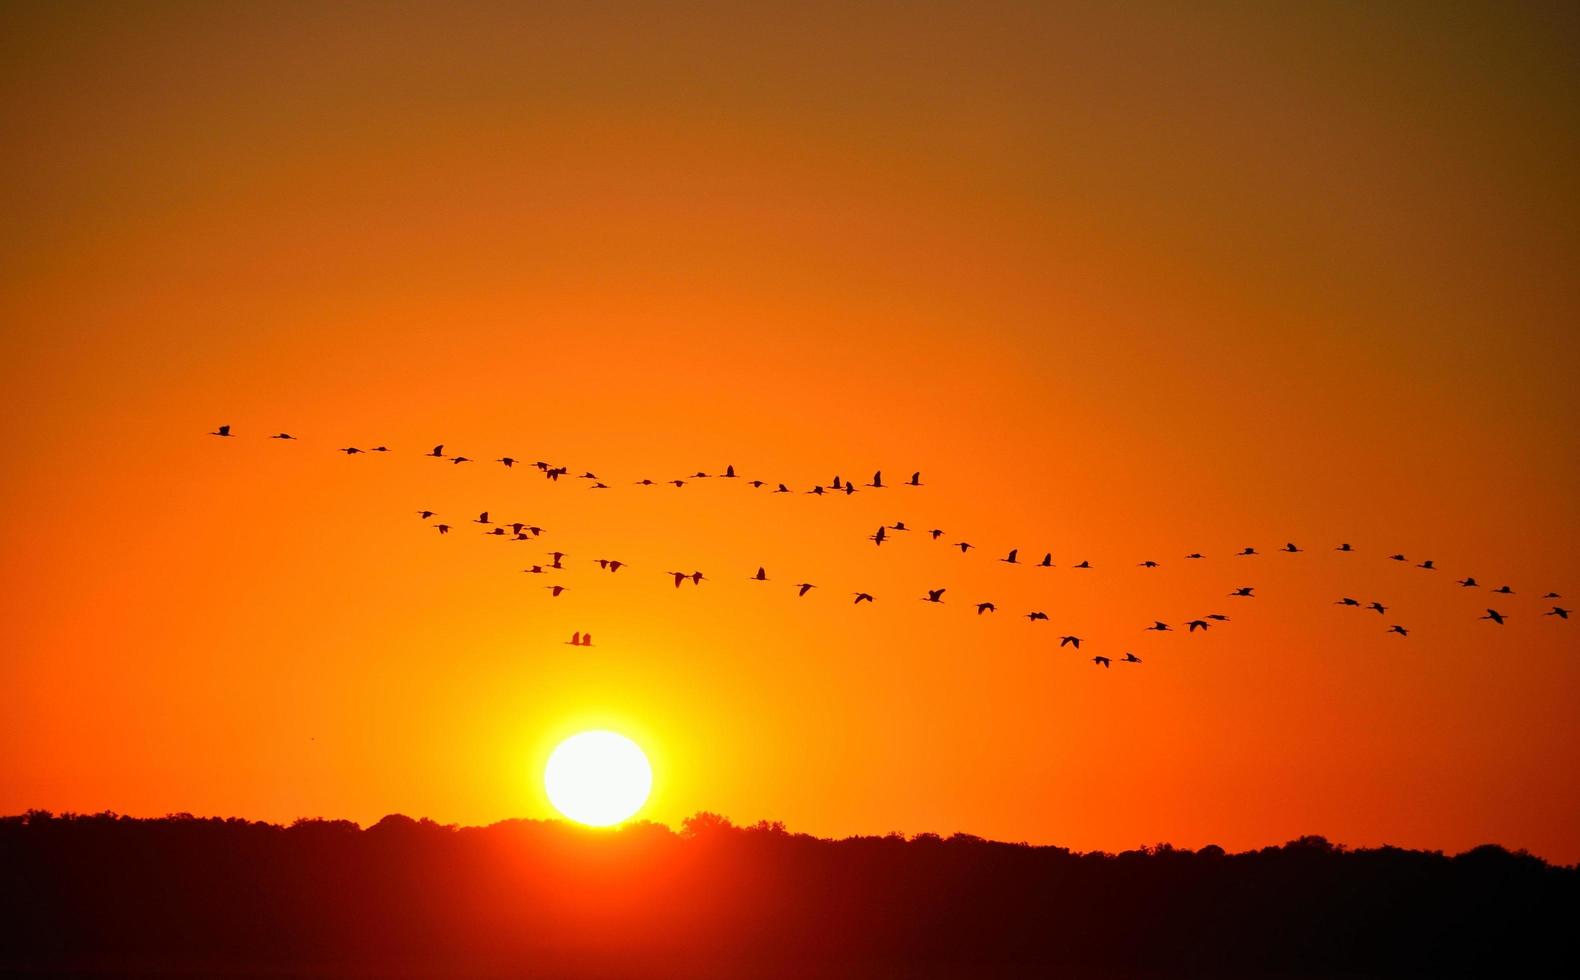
x=598 y=778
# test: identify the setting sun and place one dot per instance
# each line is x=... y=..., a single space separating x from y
x=598 y=778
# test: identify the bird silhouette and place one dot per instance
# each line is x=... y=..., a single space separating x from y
x=534 y=570
x=804 y=588
x=223 y=431
x=1101 y=661
x=349 y=450
x=1147 y=564
x=877 y=537
x=1396 y=628
x=1246 y=552
x=1130 y=658
x=1245 y=591
x=1218 y=617
x=1010 y=558
x=898 y=526
x=1047 y=561
x=937 y=533
x=964 y=546
x=610 y=564
x=425 y=514
x=1074 y=641
x=679 y=577
x=986 y=607
x=1493 y=615
x=555 y=590
x=934 y=595
x=1083 y=564
x=1503 y=590
x=697 y=578
x=860 y=598
x=818 y=491
x=1347 y=601
x=1159 y=627
x=458 y=460
x=1036 y=615
x=645 y=483
x=782 y=489
x=509 y=461
x=556 y=557
x=282 y=435
x=756 y=484
x=438 y=451
x=1552 y=595
x=1468 y=582
x=1427 y=565
x=1397 y=558
x=497 y=530
x=681 y=483
x=1558 y=611
x=442 y=528
x=877 y=480
x=1344 y=547
x=729 y=472
x=1379 y=607
x=1195 y=554
x=576 y=639
x=1196 y=624
x=1291 y=549
x=761 y=576
x=915 y=480
x=482 y=518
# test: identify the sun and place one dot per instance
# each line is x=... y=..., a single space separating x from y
x=598 y=778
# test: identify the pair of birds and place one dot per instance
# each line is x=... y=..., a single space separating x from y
x=1128 y=658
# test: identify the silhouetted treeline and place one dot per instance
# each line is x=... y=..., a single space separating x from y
x=115 y=895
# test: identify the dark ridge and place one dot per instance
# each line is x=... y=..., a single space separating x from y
x=108 y=895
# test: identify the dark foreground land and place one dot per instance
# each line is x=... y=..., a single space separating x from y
x=111 y=896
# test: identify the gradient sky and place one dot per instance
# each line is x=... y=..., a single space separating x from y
x=1123 y=284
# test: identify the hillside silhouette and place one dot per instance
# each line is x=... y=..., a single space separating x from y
x=112 y=895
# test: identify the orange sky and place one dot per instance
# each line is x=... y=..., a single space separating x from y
x=1123 y=285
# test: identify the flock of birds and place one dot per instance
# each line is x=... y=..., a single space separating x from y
x=523 y=531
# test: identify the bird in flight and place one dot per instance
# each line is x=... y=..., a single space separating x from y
x=379 y=449
x=581 y=639
x=761 y=576
x=986 y=607
x=1381 y=609
x=1344 y=547
x=1552 y=595
x=1396 y=628
x=438 y=451
x=898 y=526
x=1010 y=558
x=1047 y=561
x=1083 y=564
x=1503 y=590
x=860 y=598
x=611 y=564
x=1036 y=615
x=934 y=595
x=509 y=461
x=1218 y=617
x=1130 y=658
x=877 y=537
x=534 y=570
x=964 y=546
x=877 y=480
x=223 y=431
x=349 y=450
x=1246 y=552
x=915 y=480
x=1196 y=624
x=1291 y=549
x=1147 y=564
x=482 y=518
x=1074 y=641
x=937 y=533
x=1493 y=615
x=1397 y=558
x=804 y=588
x=425 y=514
x=1160 y=627
x=679 y=577
x=1101 y=661
x=1558 y=611
x=697 y=578
x=782 y=489
x=281 y=435
x=555 y=590
x=1346 y=601
x=1468 y=582
x=442 y=528
x=729 y=471
x=458 y=460
x=1427 y=565
x=1195 y=554
x=1245 y=591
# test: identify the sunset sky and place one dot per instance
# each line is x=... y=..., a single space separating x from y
x=1123 y=285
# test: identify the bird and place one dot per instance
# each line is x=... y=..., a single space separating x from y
x=782 y=489
x=1381 y=609
x=877 y=480
x=1290 y=548
x=877 y=537
x=379 y=449
x=934 y=595
x=898 y=526
x=590 y=475
x=1196 y=624
x=458 y=460
x=1558 y=611
x=1493 y=615
x=1218 y=617
x=1503 y=590
x=964 y=546
x=1047 y=561
x=534 y=570
x=599 y=485
x=838 y=484
x=1244 y=591
x=1195 y=554
x=699 y=475
x=1036 y=615
x=679 y=577
x=555 y=590
x=1074 y=641
x=937 y=533
x=497 y=530
x=1102 y=661
x=1397 y=558
x=610 y=564
x=1160 y=627
x=425 y=514
x=645 y=483
x=1427 y=565
x=817 y=490
x=986 y=607
x=1130 y=658
x=223 y=431
x=280 y=435
x=756 y=484
x=1147 y=564
x=860 y=598
x=915 y=480
x=443 y=528
x=1468 y=582
x=761 y=576
x=1246 y=552
x=349 y=450
x=482 y=518
x=507 y=460
x=1344 y=547
x=804 y=588
x=697 y=578
x=1083 y=564
x=729 y=472
x=1396 y=628
x=1010 y=558
x=1346 y=601
x=438 y=451
x=576 y=639
x=558 y=557
x=681 y=483
x=1552 y=595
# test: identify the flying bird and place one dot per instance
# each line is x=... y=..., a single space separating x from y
x=1493 y=615
x=761 y=576
x=442 y=528
x=1034 y=616
x=1244 y=591
x=458 y=460
x=507 y=460
x=782 y=489
x=1083 y=564
x=1218 y=617
x=1246 y=552
x=1468 y=582
x=1195 y=554
x=1196 y=624
x=1396 y=628
x=877 y=480
x=1147 y=564
x=697 y=578
x=379 y=449
x=438 y=451
x=555 y=590
x=860 y=598
x=1558 y=611
x=1397 y=558
x=1427 y=565
x=1074 y=641
x=1047 y=561
x=964 y=546
x=1552 y=595
x=1346 y=601
x=534 y=570
x=915 y=480
x=1101 y=661
x=223 y=430
x=986 y=607
x=1344 y=547
x=1130 y=658
x=1159 y=626
x=1291 y=549
x=679 y=577
x=349 y=450
x=425 y=514
x=281 y=435
x=937 y=533
x=1503 y=590
x=877 y=537
x=1381 y=609
x=482 y=518
x=804 y=588
x=1010 y=558
x=729 y=472
x=934 y=595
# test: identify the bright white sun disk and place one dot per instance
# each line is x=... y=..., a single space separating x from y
x=598 y=778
